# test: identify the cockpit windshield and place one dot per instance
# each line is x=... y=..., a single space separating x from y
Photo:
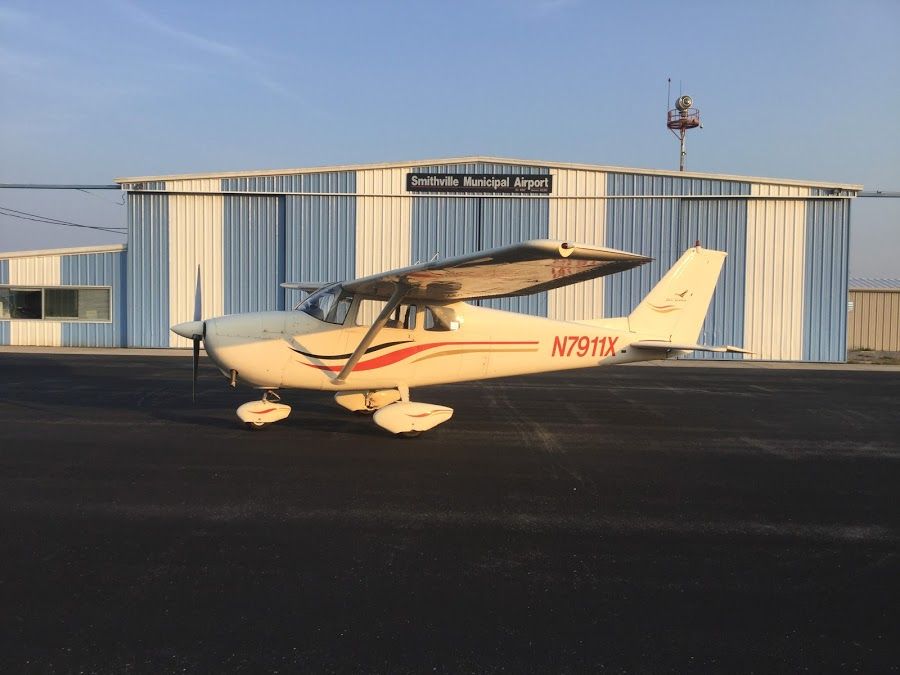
x=330 y=304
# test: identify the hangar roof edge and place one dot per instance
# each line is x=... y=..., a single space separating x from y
x=76 y=250
x=490 y=160
x=868 y=284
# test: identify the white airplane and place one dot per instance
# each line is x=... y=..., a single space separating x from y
x=427 y=332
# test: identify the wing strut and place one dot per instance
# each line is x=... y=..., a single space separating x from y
x=396 y=298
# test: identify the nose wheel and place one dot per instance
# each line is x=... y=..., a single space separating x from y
x=257 y=414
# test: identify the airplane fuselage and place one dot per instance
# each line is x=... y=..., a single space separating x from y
x=291 y=349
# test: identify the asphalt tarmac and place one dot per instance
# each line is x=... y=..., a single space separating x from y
x=637 y=518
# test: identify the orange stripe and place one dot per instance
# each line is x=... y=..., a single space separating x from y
x=470 y=351
x=400 y=354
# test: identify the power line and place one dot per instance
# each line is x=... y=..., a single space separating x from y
x=57 y=186
x=121 y=202
x=35 y=217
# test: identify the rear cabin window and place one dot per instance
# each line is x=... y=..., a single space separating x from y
x=404 y=316
x=440 y=319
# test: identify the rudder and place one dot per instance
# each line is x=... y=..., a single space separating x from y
x=676 y=307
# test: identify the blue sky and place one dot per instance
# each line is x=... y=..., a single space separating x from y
x=93 y=91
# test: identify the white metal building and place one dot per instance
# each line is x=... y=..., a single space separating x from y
x=782 y=293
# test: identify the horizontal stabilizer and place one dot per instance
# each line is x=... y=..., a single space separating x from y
x=662 y=345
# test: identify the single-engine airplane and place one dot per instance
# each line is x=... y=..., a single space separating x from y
x=427 y=332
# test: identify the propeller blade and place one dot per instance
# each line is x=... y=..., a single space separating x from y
x=196 y=366
x=198 y=298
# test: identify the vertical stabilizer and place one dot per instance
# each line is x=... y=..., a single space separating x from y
x=676 y=307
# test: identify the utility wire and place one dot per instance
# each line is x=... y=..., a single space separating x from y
x=57 y=220
x=25 y=215
x=121 y=202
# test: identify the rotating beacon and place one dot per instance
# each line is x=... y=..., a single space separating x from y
x=682 y=117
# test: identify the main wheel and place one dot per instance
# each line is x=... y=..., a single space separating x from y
x=255 y=426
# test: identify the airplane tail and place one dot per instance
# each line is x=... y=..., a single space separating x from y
x=674 y=310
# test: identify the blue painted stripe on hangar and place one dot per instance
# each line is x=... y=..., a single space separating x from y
x=4 y=279
x=664 y=228
x=720 y=225
x=825 y=279
x=147 y=279
x=96 y=269
x=458 y=224
x=253 y=234
x=332 y=181
x=320 y=238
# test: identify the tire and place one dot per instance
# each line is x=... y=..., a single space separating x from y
x=255 y=426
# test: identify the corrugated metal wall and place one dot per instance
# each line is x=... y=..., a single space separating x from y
x=783 y=254
x=35 y=271
x=776 y=261
x=719 y=224
x=454 y=225
x=147 y=285
x=254 y=258
x=382 y=222
x=195 y=244
x=577 y=216
x=77 y=269
x=664 y=228
x=825 y=290
x=874 y=320
x=96 y=269
x=320 y=233
x=4 y=279
x=332 y=181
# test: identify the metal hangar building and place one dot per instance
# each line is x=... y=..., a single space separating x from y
x=782 y=293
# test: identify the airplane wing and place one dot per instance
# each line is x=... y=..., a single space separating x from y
x=308 y=286
x=520 y=269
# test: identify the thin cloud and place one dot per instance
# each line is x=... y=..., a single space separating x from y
x=209 y=46
x=192 y=39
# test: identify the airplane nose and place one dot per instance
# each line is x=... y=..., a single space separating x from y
x=188 y=329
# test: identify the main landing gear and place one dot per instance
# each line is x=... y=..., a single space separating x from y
x=393 y=411
x=257 y=414
x=391 y=408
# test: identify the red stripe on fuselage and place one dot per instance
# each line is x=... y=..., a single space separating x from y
x=400 y=354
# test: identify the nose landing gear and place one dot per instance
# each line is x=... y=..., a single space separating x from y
x=257 y=414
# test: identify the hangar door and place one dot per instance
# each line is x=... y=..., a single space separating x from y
x=719 y=224
x=320 y=240
x=443 y=227
x=253 y=242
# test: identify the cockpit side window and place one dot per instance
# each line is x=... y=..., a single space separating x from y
x=330 y=304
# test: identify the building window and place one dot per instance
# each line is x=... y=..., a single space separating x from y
x=20 y=303
x=55 y=304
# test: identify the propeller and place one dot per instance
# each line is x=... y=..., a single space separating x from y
x=195 y=331
x=196 y=337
